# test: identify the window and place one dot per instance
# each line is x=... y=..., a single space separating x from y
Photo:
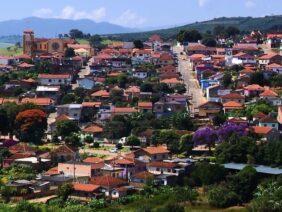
x=265 y=125
x=168 y=170
x=273 y=125
x=49 y=80
x=60 y=80
x=158 y=169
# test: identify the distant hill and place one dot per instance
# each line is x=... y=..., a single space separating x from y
x=243 y=23
x=52 y=27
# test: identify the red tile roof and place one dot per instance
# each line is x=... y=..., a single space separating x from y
x=232 y=96
x=107 y=181
x=171 y=81
x=52 y=171
x=261 y=130
x=38 y=101
x=143 y=175
x=268 y=56
x=254 y=87
x=124 y=110
x=268 y=93
x=145 y=105
x=152 y=150
x=93 y=160
x=233 y=105
x=85 y=187
x=91 y=104
x=101 y=93
x=94 y=128
x=54 y=76
x=162 y=164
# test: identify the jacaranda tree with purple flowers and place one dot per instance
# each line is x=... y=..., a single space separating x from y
x=228 y=129
x=205 y=136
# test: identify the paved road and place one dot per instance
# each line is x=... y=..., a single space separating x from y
x=192 y=85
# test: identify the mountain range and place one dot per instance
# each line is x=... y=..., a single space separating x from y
x=51 y=27
x=11 y=30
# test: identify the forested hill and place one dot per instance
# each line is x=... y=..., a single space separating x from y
x=267 y=23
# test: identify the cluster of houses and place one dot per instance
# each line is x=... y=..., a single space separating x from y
x=95 y=177
x=209 y=64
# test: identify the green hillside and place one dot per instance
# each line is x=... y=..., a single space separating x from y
x=243 y=23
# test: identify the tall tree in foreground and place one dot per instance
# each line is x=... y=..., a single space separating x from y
x=31 y=125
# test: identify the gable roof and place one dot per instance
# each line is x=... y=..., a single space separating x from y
x=152 y=150
x=261 y=130
x=268 y=93
x=54 y=76
x=146 y=105
x=143 y=175
x=101 y=93
x=85 y=187
x=38 y=101
x=124 y=110
x=254 y=87
x=232 y=104
x=64 y=149
x=94 y=128
x=268 y=119
x=162 y=164
x=107 y=181
x=93 y=160
x=232 y=96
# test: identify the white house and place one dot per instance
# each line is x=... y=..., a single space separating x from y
x=54 y=79
x=166 y=168
x=73 y=111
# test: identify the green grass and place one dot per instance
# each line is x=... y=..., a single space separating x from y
x=13 y=51
x=82 y=41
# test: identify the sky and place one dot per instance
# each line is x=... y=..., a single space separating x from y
x=139 y=13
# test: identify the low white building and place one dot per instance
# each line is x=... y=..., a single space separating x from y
x=54 y=79
x=73 y=111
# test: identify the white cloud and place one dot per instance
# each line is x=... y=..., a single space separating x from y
x=249 y=4
x=130 y=19
x=69 y=12
x=202 y=3
x=43 y=12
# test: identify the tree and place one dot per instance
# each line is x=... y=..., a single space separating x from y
x=220 y=196
x=276 y=81
x=4 y=153
x=219 y=119
x=146 y=87
x=31 y=125
x=180 y=88
x=75 y=33
x=68 y=99
x=133 y=141
x=138 y=44
x=66 y=128
x=244 y=183
x=69 y=52
x=257 y=78
x=228 y=129
x=205 y=173
x=209 y=41
x=227 y=79
x=268 y=197
x=6 y=193
x=232 y=31
x=25 y=206
x=96 y=42
x=188 y=36
x=171 y=139
x=186 y=144
x=64 y=191
x=73 y=140
x=4 y=122
x=182 y=121
x=205 y=136
x=116 y=95
x=218 y=30
x=88 y=139
x=19 y=172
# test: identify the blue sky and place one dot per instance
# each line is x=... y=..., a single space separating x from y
x=139 y=13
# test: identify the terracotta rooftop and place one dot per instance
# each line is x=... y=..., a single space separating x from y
x=268 y=93
x=94 y=128
x=162 y=164
x=171 y=81
x=261 y=130
x=52 y=171
x=93 y=160
x=268 y=119
x=259 y=115
x=107 y=181
x=54 y=76
x=122 y=161
x=143 y=175
x=254 y=87
x=152 y=150
x=133 y=89
x=64 y=149
x=91 y=104
x=85 y=187
x=124 y=110
x=233 y=104
x=101 y=93
x=268 y=56
x=38 y=101
x=146 y=105
x=232 y=96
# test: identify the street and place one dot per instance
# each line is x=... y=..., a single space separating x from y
x=192 y=86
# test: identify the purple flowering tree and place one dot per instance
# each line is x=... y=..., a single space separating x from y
x=228 y=129
x=205 y=136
